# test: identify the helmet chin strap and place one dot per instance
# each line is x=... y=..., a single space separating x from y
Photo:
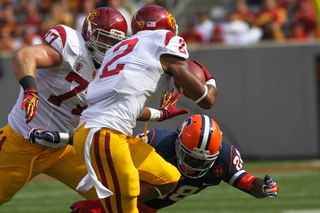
x=96 y=55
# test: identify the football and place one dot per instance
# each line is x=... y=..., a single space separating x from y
x=195 y=69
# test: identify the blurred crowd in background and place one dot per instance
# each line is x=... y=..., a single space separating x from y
x=247 y=24
x=25 y=22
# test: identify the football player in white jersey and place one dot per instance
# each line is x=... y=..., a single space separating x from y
x=133 y=72
x=54 y=76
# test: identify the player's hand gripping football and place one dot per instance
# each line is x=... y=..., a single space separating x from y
x=30 y=103
x=205 y=71
x=50 y=139
x=168 y=105
x=270 y=187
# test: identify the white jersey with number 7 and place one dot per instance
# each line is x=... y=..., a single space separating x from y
x=62 y=89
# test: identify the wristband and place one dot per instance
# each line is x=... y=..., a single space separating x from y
x=212 y=82
x=204 y=95
x=155 y=114
x=64 y=138
x=28 y=81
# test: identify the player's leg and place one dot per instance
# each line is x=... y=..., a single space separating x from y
x=153 y=169
x=16 y=159
x=112 y=163
x=113 y=160
x=68 y=169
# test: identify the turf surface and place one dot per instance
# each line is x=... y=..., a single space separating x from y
x=298 y=181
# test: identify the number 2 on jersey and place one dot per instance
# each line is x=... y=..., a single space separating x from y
x=237 y=160
x=131 y=43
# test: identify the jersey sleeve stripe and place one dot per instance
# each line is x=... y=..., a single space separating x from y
x=230 y=159
x=235 y=176
x=246 y=182
x=169 y=36
x=2 y=139
x=62 y=33
x=151 y=138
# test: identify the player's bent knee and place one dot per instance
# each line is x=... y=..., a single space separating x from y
x=175 y=175
x=129 y=189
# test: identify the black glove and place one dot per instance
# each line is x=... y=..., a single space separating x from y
x=50 y=139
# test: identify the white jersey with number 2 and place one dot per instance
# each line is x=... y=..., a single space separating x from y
x=130 y=75
x=62 y=89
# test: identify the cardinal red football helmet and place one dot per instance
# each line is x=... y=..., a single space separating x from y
x=103 y=21
x=153 y=17
x=197 y=145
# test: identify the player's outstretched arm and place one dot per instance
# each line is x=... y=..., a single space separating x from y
x=50 y=139
x=266 y=187
x=25 y=63
x=166 y=110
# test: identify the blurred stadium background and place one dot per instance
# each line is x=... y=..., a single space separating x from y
x=268 y=103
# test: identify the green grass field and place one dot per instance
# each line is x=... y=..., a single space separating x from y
x=298 y=180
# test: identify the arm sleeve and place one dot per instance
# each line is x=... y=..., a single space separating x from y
x=238 y=177
x=175 y=45
x=66 y=41
x=57 y=38
x=242 y=180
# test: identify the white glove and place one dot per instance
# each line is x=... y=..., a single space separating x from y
x=270 y=188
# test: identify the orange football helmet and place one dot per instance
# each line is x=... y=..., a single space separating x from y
x=197 y=145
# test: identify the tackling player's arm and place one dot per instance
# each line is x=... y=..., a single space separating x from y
x=203 y=95
x=261 y=188
x=25 y=63
x=257 y=187
x=239 y=178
